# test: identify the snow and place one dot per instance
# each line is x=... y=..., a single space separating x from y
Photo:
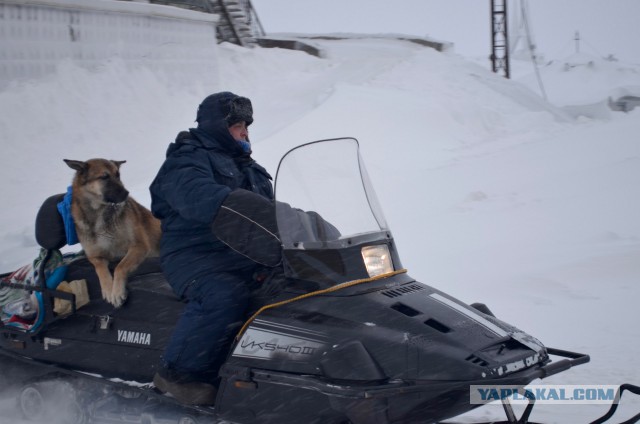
x=492 y=194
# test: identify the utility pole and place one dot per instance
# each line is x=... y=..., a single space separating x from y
x=577 y=40
x=499 y=37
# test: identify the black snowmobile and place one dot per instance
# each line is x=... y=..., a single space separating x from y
x=338 y=333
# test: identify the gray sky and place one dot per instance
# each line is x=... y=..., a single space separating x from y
x=605 y=26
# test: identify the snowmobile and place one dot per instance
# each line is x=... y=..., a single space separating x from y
x=338 y=330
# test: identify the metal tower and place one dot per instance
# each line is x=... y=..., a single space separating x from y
x=499 y=37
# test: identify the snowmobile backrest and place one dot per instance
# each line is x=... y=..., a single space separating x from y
x=50 y=231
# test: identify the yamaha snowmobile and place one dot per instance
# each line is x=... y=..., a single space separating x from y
x=338 y=331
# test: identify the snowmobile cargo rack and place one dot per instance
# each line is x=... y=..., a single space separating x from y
x=45 y=315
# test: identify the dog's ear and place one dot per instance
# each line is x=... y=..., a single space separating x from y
x=119 y=162
x=78 y=165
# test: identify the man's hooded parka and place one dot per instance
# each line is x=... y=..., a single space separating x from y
x=202 y=167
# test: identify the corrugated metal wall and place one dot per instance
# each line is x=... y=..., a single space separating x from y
x=36 y=35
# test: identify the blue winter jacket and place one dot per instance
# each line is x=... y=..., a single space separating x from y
x=201 y=168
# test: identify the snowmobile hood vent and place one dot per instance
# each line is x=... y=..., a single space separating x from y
x=477 y=360
x=401 y=291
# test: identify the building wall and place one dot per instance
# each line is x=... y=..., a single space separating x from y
x=35 y=35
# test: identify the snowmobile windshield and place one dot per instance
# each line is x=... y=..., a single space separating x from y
x=324 y=197
x=326 y=211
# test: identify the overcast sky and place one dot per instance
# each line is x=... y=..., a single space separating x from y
x=605 y=26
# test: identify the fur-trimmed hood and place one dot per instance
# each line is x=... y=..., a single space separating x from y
x=216 y=114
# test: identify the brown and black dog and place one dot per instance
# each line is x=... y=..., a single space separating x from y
x=110 y=224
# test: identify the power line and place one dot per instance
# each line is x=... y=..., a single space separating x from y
x=532 y=50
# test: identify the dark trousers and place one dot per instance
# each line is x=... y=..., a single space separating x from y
x=215 y=310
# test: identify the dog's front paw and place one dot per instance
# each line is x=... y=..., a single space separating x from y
x=118 y=298
x=106 y=294
x=118 y=294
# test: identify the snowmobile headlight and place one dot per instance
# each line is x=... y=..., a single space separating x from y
x=377 y=260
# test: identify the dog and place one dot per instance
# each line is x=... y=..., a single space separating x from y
x=110 y=224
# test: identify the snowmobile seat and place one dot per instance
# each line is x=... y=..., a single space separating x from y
x=51 y=235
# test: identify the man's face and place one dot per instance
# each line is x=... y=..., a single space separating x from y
x=239 y=131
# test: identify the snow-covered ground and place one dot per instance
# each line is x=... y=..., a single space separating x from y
x=493 y=194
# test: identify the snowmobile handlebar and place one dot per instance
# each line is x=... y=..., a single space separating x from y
x=572 y=359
